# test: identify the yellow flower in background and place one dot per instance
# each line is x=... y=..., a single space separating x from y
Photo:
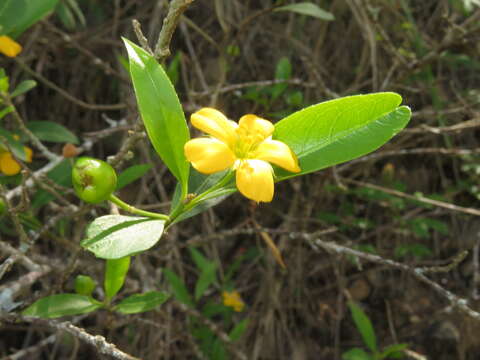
x=9 y=166
x=9 y=47
x=246 y=147
x=232 y=299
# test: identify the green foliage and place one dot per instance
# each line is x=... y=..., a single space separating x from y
x=210 y=345
x=62 y=305
x=53 y=132
x=131 y=174
x=9 y=143
x=308 y=8
x=139 y=303
x=179 y=289
x=18 y=15
x=208 y=271
x=23 y=87
x=82 y=302
x=116 y=236
x=365 y=328
x=161 y=111
x=328 y=133
x=70 y=14
x=61 y=175
x=115 y=273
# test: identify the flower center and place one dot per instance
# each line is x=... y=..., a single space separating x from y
x=247 y=142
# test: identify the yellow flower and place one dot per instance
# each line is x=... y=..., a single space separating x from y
x=232 y=299
x=246 y=147
x=9 y=47
x=9 y=166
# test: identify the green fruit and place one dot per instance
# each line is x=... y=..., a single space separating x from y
x=93 y=180
x=84 y=285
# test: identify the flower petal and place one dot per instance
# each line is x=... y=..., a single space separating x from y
x=255 y=180
x=278 y=153
x=214 y=123
x=254 y=125
x=8 y=165
x=9 y=47
x=28 y=154
x=209 y=155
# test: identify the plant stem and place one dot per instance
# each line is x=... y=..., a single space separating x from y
x=199 y=198
x=134 y=210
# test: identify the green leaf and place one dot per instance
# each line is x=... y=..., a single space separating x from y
x=4 y=112
x=307 y=8
x=282 y=72
x=23 y=87
x=364 y=326
x=178 y=287
x=206 y=278
x=62 y=305
x=61 y=175
x=339 y=130
x=141 y=302
x=394 y=351
x=356 y=354
x=51 y=131
x=161 y=111
x=6 y=138
x=115 y=273
x=201 y=261
x=199 y=183
x=131 y=174
x=284 y=69
x=116 y=236
x=207 y=272
x=238 y=330
x=18 y=15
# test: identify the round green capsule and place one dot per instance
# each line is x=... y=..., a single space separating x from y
x=93 y=180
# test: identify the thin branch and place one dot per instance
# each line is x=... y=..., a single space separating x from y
x=64 y=93
x=454 y=300
x=442 y=204
x=175 y=10
x=97 y=341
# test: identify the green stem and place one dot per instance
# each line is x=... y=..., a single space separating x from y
x=134 y=210
x=182 y=209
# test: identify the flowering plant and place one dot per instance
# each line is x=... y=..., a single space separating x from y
x=255 y=151
x=248 y=156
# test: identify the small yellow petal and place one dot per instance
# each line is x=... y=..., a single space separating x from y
x=255 y=180
x=214 y=123
x=28 y=154
x=233 y=300
x=9 y=47
x=8 y=165
x=253 y=125
x=278 y=153
x=209 y=155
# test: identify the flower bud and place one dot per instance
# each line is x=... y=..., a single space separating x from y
x=93 y=180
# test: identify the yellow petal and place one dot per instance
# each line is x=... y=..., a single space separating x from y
x=214 y=123
x=8 y=165
x=253 y=125
x=255 y=180
x=28 y=154
x=9 y=47
x=209 y=155
x=278 y=153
